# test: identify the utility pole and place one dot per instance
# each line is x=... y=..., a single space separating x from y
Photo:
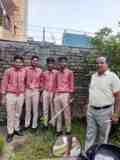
x=43 y=34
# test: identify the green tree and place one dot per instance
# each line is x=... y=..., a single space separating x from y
x=108 y=44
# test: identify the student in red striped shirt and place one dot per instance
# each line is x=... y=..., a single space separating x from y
x=64 y=91
x=49 y=84
x=12 y=89
x=32 y=93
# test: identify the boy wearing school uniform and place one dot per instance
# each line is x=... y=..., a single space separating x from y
x=32 y=94
x=49 y=78
x=13 y=88
x=64 y=91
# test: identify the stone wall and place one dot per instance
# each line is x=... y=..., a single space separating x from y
x=77 y=62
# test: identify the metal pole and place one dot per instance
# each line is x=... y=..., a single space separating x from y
x=43 y=34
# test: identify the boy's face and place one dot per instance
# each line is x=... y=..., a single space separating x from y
x=63 y=63
x=18 y=63
x=51 y=65
x=35 y=62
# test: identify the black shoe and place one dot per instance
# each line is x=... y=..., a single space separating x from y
x=33 y=130
x=25 y=128
x=9 y=138
x=43 y=127
x=68 y=133
x=18 y=133
x=51 y=126
x=58 y=133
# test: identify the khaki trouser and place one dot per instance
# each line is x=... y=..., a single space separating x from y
x=32 y=102
x=62 y=101
x=98 y=126
x=48 y=102
x=14 y=105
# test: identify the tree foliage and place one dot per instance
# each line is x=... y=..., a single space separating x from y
x=108 y=44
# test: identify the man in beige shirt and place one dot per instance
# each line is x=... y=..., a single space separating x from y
x=104 y=104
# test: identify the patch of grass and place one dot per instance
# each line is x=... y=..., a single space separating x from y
x=115 y=134
x=78 y=129
x=2 y=144
x=38 y=145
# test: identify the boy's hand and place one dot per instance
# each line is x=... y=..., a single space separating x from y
x=3 y=101
x=71 y=99
x=115 y=117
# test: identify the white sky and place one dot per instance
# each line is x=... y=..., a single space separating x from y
x=81 y=15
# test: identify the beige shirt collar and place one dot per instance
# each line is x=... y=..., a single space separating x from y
x=105 y=73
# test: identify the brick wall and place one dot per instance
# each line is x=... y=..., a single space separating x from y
x=77 y=62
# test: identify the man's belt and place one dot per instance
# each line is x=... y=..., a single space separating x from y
x=101 y=107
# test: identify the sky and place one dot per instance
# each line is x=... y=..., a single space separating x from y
x=73 y=15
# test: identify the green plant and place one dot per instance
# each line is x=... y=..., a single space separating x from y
x=38 y=145
x=107 y=43
x=2 y=144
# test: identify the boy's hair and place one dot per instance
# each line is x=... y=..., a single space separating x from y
x=62 y=58
x=50 y=60
x=18 y=57
x=34 y=57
